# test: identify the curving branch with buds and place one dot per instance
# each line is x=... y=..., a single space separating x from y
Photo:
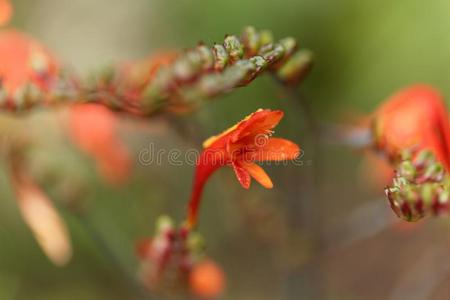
x=178 y=84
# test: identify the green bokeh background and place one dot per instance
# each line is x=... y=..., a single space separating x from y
x=365 y=50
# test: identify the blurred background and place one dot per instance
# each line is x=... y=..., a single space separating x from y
x=324 y=232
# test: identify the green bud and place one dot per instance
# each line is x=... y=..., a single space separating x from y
x=407 y=170
x=164 y=223
x=221 y=57
x=251 y=40
x=296 y=67
x=289 y=44
x=434 y=171
x=234 y=47
x=273 y=55
x=427 y=193
x=424 y=157
x=260 y=63
x=188 y=66
x=444 y=196
x=206 y=56
x=265 y=37
x=195 y=242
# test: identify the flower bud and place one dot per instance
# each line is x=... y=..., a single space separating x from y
x=296 y=67
x=251 y=40
x=234 y=47
x=417 y=118
x=207 y=280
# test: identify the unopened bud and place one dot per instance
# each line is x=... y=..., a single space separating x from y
x=234 y=47
x=265 y=37
x=275 y=54
x=187 y=67
x=289 y=44
x=251 y=40
x=296 y=67
x=221 y=57
x=207 y=57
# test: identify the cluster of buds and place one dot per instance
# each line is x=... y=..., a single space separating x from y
x=203 y=72
x=175 y=82
x=168 y=259
x=60 y=90
x=420 y=186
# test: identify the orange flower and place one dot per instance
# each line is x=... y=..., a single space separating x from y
x=93 y=128
x=241 y=146
x=415 y=117
x=6 y=12
x=23 y=61
x=207 y=280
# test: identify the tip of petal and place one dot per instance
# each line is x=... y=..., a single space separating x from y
x=46 y=224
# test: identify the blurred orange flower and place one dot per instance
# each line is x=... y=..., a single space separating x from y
x=6 y=12
x=241 y=146
x=207 y=280
x=23 y=61
x=93 y=128
x=42 y=218
x=415 y=117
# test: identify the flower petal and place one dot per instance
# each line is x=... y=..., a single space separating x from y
x=259 y=122
x=277 y=149
x=258 y=174
x=242 y=175
x=45 y=222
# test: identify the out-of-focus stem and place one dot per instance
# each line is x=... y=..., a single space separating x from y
x=305 y=212
x=111 y=256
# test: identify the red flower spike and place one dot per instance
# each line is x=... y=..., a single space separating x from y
x=241 y=146
x=415 y=117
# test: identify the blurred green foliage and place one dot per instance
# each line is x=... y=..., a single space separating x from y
x=364 y=50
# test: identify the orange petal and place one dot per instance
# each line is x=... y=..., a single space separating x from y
x=278 y=149
x=242 y=175
x=260 y=121
x=258 y=174
x=20 y=55
x=6 y=12
x=414 y=117
x=45 y=222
